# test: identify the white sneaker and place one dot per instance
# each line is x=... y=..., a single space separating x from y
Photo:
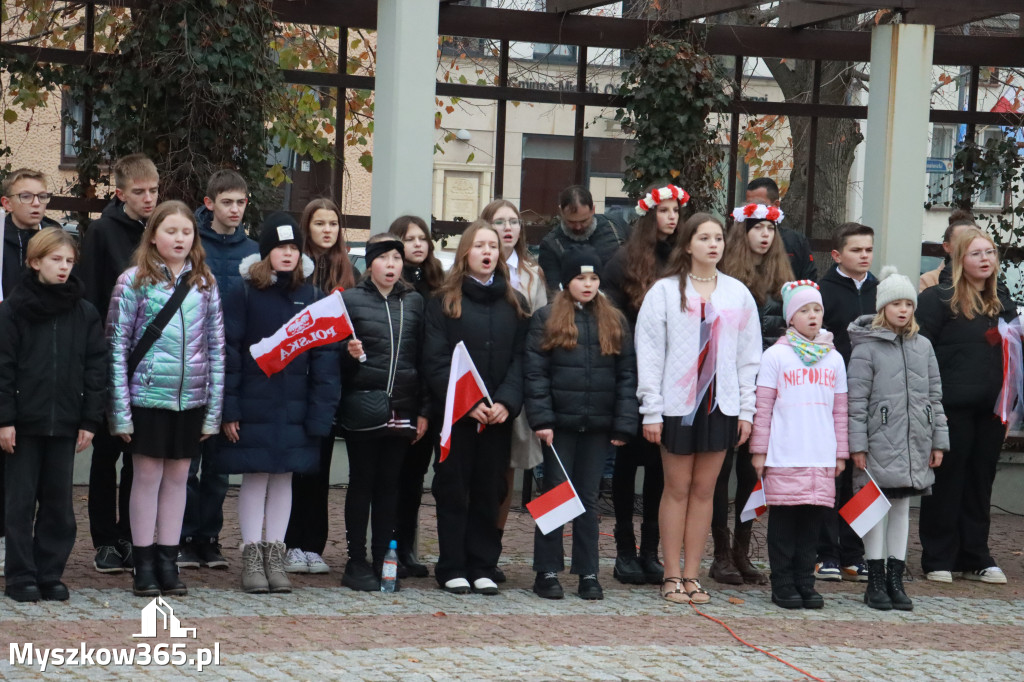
x=457 y=586
x=295 y=561
x=3 y=555
x=316 y=563
x=992 y=575
x=485 y=586
x=939 y=576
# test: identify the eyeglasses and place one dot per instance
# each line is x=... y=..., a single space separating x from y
x=502 y=222
x=27 y=197
x=978 y=255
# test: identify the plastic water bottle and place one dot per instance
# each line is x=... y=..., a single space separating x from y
x=389 y=574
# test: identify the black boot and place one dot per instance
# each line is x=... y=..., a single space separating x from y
x=894 y=585
x=144 y=582
x=412 y=566
x=722 y=569
x=741 y=556
x=167 y=571
x=627 y=568
x=654 y=572
x=876 y=596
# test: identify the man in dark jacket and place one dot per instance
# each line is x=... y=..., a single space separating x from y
x=220 y=227
x=107 y=250
x=765 y=191
x=847 y=292
x=577 y=225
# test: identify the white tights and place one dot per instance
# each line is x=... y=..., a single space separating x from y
x=264 y=497
x=158 y=497
x=889 y=537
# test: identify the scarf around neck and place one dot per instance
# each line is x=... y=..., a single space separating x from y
x=809 y=351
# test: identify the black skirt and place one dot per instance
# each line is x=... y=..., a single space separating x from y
x=167 y=434
x=712 y=432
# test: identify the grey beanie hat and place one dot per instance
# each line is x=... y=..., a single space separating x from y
x=892 y=286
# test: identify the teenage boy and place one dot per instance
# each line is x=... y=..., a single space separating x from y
x=220 y=228
x=765 y=191
x=847 y=292
x=107 y=251
x=24 y=198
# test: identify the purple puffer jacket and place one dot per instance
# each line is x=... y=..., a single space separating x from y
x=185 y=367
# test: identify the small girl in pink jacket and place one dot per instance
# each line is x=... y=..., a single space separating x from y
x=799 y=441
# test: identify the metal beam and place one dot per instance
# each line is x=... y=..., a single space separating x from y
x=800 y=14
x=684 y=10
x=566 y=6
x=965 y=14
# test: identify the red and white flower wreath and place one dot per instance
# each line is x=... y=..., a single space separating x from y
x=758 y=211
x=659 y=195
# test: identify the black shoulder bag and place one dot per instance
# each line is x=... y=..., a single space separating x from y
x=156 y=328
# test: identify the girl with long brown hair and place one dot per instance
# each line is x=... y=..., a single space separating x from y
x=325 y=243
x=698 y=344
x=754 y=255
x=422 y=268
x=580 y=398
x=172 y=398
x=476 y=306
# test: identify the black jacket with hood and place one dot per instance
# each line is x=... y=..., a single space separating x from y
x=107 y=250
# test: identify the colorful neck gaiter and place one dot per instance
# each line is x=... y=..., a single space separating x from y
x=808 y=351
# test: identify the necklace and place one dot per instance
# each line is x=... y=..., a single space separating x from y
x=712 y=278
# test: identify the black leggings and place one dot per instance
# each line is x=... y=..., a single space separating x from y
x=374 y=465
x=628 y=458
x=307 y=525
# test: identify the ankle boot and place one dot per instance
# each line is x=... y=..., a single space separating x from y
x=254 y=576
x=741 y=556
x=167 y=571
x=273 y=567
x=876 y=596
x=722 y=569
x=654 y=572
x=144 y=582
x=894 y=585
x=627 y=568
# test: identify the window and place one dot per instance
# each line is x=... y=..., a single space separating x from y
x=73 y=115
x=944 y=148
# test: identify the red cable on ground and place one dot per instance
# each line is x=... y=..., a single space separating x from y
x=755 y=648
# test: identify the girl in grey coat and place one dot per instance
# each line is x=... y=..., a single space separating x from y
x=897 y=427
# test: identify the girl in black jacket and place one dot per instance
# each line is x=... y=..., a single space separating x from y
x=387 y=315
x=477 y=306
x=580 y=396
x=963 y=323
x=53 y=373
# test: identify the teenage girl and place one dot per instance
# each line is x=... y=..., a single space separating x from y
x=53 y=375
x=476 y=305
x=173 y=400
x=756 y=256
x=580 y=397
x=800 y=441
x=526 y=278
x=324 y=242
x=387 y=315
x=273 y=424
x=424 y=271
x=627 y=277
x=897 y=427
x=698 y=344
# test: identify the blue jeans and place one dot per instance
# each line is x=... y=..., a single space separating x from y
x=204 y=497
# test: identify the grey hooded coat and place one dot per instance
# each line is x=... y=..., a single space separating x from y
x=895 y=404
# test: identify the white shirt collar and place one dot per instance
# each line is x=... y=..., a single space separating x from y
x=857 y=282
x=513 y=269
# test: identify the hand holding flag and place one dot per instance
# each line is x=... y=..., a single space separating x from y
x=325 y=321
x=558 y=506
x=465 y=390
x=756 y=504
x=866 y=508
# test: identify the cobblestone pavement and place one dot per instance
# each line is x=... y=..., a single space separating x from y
x=964 y=631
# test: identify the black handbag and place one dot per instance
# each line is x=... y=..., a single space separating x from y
x=364 y=410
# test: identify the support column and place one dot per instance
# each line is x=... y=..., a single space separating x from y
x=897 y=143
x=403 y=122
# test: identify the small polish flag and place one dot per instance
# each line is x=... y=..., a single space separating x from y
x=556 y=507
x=325 y=321
x=865 y=509
x=756 y=504
x=1009 y=101
x=465 y=390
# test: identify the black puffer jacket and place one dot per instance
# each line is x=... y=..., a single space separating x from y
x=801 y=258
x=53 y=360
x=843 y=303
x=107 y=250
x=391 y=330
x=613 y=278
x=969 y=352
x=606 y=240
x=773 y=322
x=494 y=336
x=580 y=389
x=15 y=247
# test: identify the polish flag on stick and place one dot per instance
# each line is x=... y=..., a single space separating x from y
x=325 y=321
x=866 y=508
x=558 y=506
x=465 y=390
x=756 y=503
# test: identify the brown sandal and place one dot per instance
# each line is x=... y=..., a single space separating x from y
x=676 y=594
x=699 y=595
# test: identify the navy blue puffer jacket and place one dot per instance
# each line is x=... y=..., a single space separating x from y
x=281 y=417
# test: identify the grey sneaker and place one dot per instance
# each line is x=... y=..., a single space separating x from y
x=295 y=561
x=316 y=563
x=254 y=577
x=273 y=566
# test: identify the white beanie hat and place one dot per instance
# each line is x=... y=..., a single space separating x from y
x=892 y=286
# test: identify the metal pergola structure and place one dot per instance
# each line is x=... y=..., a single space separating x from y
x=794 y=38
